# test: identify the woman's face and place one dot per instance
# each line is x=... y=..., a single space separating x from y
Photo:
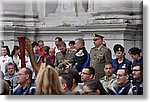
x=4 y=51
x=119 y=54
x=134 y=57
x=17 y=51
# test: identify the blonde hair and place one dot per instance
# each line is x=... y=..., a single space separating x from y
x=47 y=82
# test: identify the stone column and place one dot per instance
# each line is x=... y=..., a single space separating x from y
x=90 y=5
x=41 y=9
x=80 y=9
x=66 y=8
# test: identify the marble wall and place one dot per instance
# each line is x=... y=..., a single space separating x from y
x=119 y=21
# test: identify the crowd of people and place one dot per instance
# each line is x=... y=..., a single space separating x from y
x=73 y=70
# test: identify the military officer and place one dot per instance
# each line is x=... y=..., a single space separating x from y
x=82 y=57
x=99 y=56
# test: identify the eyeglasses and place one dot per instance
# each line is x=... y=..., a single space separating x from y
x=85 y=73
x=135 y=70
x=19 y=74
x=89 y=92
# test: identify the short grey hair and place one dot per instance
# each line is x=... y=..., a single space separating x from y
x=81 y=40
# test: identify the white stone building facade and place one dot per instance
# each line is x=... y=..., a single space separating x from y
x=119 y=21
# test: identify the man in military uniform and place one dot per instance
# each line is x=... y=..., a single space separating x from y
x=99 y=56
x=82 y=56
x=109 y=80
x=65 y=58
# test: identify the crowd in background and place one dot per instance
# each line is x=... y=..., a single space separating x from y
x=73 y=70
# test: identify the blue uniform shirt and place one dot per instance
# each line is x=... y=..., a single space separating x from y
x=117 y=66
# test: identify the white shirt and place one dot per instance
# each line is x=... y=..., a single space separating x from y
x=56 y=50
x=3 y=61
x=27 y=62
x=16 y=60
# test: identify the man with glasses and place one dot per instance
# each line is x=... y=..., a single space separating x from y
x=87 y=73
x=25 y=84
x=137 y=73
x=123 y=82
x=99 y=56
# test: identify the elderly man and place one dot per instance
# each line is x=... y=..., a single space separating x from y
x=11 y=75
x=26 y=86
x=99 y=56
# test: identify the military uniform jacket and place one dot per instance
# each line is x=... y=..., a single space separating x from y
x=109 y=82
x=60 y=58
x=80 y=58
x=98 y=59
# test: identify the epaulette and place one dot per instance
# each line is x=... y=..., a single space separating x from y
x=103 y=78
x=93 y=48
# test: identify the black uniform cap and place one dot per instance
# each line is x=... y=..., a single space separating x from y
x=134 y=51
x=118 y=47
x=97 y=35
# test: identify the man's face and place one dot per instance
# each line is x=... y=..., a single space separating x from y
x=77 y=45
x=122 y=78
x=41 y=45
x=22 y=76
x=71 y=46
x=136 y=72
x=108 y=69
x=10 y=69
x=56 y=42
x=85 y=75
x=62 y=49
x=97 y=41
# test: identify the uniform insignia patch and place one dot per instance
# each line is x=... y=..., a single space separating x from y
x=80 y=53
